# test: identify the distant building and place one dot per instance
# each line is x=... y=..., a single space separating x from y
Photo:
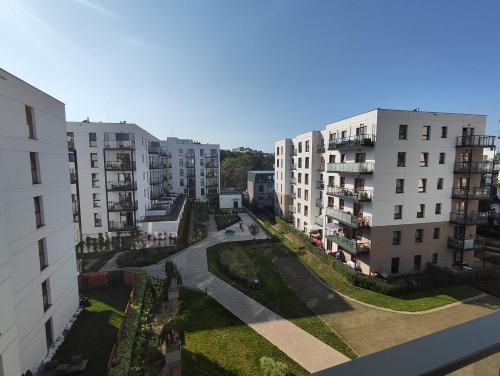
x=230 y=199
x=260 y=187
x=242 y=149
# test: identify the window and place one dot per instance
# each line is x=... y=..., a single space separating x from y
x=300 y=178
x=42 y=254
x=341 y=204
x=438 y=208
x=45 y=295
x=436 y=233
x=203 y=191
x=180 y=151
x=419 y=235
x=299 y=208
x=277 y=150
x=35 y=171
x=300 y=163
x=306 y=210
x=92 y=139
x=426 y=132
x=96 y=198
x=38 y=211
x=306 y=195
x=341 y=182
x=400 y=185
x=49 y=337
x=300 y=147
x=360 y=157
x=97 y=220
x=306 y=179
x=299 y=192
x=202 y=152
x=395 y=265
x=95 y=180
x=417 y=263
x=422 y=185
x=181 y=162
x=181 y=182
x=306 y=162
x=435 y=258
x=398 y=211
x=396 y=237
x=403 y=132
x=401 y=159
x=30 y=122
x=421 y=211
x=424 y=159
x=444 y=132
x=307 y=146
x=261 y=188
x=442 y=157
x=202 y=162
x=72 y=157
x=93 y=160
x=439 y=184
x=342 y=157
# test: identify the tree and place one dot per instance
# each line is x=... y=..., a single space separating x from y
x=88 y=242
x=107 y=243
x=94 y=244
x=100 y=241
x=254 y=229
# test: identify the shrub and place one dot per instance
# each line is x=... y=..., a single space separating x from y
x=271 y=367
x=239 y=266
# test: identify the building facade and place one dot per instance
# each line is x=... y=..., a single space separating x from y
x=260 y=188
x=388 y=190
x=38 y=277
x=195 y=169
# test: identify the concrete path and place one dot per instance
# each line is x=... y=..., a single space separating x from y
x=111 y=264
x=211 y=225
x=305 y=349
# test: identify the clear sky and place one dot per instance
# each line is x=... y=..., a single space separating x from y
x=246 y=73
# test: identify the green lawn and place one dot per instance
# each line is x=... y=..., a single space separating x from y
x=273 y=292
x=94 y=332
x=143 y=257
x=217 y=343
x=94 y=261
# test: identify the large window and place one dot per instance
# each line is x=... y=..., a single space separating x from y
x=400 y=185
x=438 y=208
x=419 y=235
x=424 y=159
x=49 y=336
x=97 y=220
x=401 y=159
x=421 y=211
x=95 y=180
x=422 y=185
x=307 y=146
x=436 y=233
x=38 y=211
x=92 y=139
x=417 y=263
x=439 y=185
x=94 y=160
x=403 y=132
x=42 y=254
x=395 y=265
x=444 y=132
x=442 y=158
x=398 y=211
x=30 y=122
x=35 y=170
x=396 y=237
x=45 y=295
x=426 y=132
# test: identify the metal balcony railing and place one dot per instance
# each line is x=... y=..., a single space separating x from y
x=71 y=144
x=359 y=195
x=73 y=176
x=75 y=206
x=471 y=218
x=120 y=166
x=124 y=205
x=320 y=148
x=119 y=145
x=468 y=243
x=348 y=219
x=476 y=193
x=121 y=226
x=156 y=165
x=121 y=186
x=351 y=168
x=351 y=245
x=359 y=141
x=473 y=167
x=154 y=149
x=480 y=141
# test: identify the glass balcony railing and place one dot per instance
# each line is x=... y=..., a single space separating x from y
x=319 y=220
x=473 y=167
x=351 y=168
x=478 y=141
x=319 y=203
x=359 y=141
x=351 y=245
x=348 y=219
x=320 y=167
x=468 y=243
x=477 y=193
x=113 y=145
x=320 y=148
x=121 y=226
x=121 y=186
x=469 y=219
x=124 y=205
x=358 y=195
x=120 y=165
x=320 y=185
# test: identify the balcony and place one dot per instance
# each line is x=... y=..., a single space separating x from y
x=292 y=209
x=154 y=149
x=468 y=243
x=471 y=219
x=351 y=168
x=119 y=145
x=71 y=144
x=76 y=207
x=293 y=166
x=120 y=166
x=320 y=167
x=212 y=184
x=293 y=153
x=211 y=165
x=293 y=195
x=473 y=167
x=359 y=141
x=348 y=218
x=320 y=185
x=319 y=221
x=475 y=142
x=293 y=180
x=319 y=203
x=121 y=186
x=157 y=180
x=320 y=148
x=73 y=176
x=352 y=246
x=157 y=165
x=124 y=205
x=477 y=193
x=357 y=195
x=121 y=226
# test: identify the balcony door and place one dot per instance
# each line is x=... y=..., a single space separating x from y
x=123 y=157
x=359 y=183
x=360 y=157
x=467 y=131
x=458 y=232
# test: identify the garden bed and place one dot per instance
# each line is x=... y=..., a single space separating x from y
x=144 y=257
x=225 y=220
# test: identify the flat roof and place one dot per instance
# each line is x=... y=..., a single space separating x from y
x=262 y=171
x=228 y=193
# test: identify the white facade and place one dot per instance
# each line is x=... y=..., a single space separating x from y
x=195 y=168
x=35 y=249
x=230 y=200
x=363 y=169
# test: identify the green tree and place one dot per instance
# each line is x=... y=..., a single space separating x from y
x=88 y=242
x=254 y=229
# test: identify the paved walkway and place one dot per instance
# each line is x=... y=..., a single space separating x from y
x=305 y=349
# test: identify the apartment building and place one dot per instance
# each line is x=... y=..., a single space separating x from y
x=260 y=188
x=38 y=278
x=391 y=190
x=195 y=169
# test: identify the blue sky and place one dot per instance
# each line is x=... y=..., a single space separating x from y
x=246 y=73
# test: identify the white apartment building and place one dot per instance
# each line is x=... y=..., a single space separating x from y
x=195 y=169
x=389 y=190
x=38 y=277
x=119 y=175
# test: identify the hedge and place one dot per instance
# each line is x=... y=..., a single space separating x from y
x=124 y=353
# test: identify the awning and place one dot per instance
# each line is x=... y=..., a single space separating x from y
x=332 y=226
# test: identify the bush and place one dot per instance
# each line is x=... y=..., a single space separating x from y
x=271 y=367
x=239 y=266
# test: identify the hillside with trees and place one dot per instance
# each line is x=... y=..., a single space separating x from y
x=235 y=167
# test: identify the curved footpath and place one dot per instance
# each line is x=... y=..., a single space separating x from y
x=364 y=327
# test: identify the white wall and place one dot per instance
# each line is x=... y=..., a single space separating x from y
x=227 y=201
